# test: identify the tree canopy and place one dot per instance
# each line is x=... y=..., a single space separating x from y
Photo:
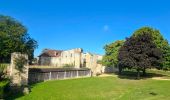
x=14 y=38
x=111 y=53
x=139 y=52
x=166 y=56
x=160 y=42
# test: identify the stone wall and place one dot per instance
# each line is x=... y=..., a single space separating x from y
x=76 y=58
x=92 y=63
x=70 y=57
x=45 y=60
x=18 y=78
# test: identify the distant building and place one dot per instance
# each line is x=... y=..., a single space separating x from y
x=73 y=57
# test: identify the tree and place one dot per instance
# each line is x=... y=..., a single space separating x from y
x=139 y=52
x=166 y=63
x=160 y=42
x=14 y=38
x=111 y=53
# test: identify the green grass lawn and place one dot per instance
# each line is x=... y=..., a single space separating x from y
x=100 y=88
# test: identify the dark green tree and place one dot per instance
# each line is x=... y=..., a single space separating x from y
x=139 y=52
x=111 y=53
x=160 y=42
x=14 y=38
x=166 y=63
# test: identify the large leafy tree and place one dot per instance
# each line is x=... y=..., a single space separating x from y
x=111 y=53
x=139 y=52
x=14 y=38
x=160 y=42
x=166 y=62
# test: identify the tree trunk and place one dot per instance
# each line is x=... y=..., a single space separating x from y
x=120 y=70
x=138 y=74
x=144 y=72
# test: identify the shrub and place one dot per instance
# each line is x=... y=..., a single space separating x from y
x=3 y=85
x=2 y=68
x=20 y=62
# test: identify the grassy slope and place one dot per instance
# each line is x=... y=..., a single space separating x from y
x=100 y=88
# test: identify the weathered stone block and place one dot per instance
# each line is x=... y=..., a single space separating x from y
x=18 y=78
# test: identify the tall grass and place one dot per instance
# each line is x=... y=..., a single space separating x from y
x=2 y=68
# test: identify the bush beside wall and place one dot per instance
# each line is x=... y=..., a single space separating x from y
x=3 y=84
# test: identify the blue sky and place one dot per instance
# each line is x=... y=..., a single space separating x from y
x=88 y=24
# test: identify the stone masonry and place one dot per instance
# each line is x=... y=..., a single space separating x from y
x=73 y=57
x=18 y=78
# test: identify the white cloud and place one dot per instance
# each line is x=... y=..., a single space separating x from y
x=106 y=27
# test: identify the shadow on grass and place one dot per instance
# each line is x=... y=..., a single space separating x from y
x=14 y=94
x=133 y=75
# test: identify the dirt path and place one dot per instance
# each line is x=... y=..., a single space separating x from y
x=106 y=75
x=160 y=78
x=154 y=78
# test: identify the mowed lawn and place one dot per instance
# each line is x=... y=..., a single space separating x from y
x=100 y=88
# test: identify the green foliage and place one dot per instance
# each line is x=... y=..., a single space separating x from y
x=156 y=35
x=160 y=43
x=111 y=53
x=19 y=63
x=2 y=68
x=14 y=38
x=139 y=52
x=166 y=63
x=2 y=87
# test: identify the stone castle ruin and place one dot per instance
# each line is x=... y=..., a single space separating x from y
x=17 y=77
x=73 y=58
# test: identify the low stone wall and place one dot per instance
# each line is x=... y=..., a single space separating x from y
x=44 y=74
